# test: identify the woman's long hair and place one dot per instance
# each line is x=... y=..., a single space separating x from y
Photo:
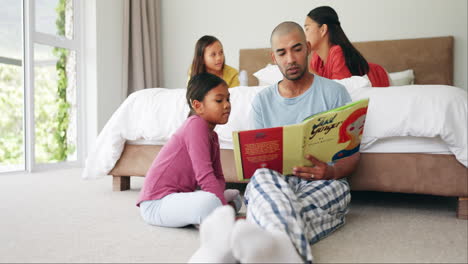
x=355 y=62
x=198 y=63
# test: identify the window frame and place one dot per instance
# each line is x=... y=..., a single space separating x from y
x=30 y=38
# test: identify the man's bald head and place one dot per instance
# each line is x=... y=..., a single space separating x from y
x=286 y=28
x=290 y=50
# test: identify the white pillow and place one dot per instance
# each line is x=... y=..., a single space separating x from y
x=271 y=75
x=243 y=78
x=268 y=75
x=355 y=85
x=405 y=77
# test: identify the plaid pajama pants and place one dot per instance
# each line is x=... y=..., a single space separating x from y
x=306 y=210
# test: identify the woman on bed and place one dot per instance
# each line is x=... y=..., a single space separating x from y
x=209 y=57
x=190 y=160
x=333 y=55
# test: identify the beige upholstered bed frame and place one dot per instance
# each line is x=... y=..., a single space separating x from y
x=432 y=62
x=430 y=58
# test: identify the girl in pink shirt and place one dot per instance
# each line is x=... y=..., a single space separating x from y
x=190 y=160
x=333 y=56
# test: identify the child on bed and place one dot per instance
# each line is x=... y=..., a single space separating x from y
x=190 y=160
x=333 y=55
x=209 y=57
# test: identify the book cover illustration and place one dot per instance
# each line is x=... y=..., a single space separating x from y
x=329 y=136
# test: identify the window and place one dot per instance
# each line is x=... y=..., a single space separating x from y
x=39 y=84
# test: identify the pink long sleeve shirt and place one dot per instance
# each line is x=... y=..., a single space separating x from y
x=191 y=158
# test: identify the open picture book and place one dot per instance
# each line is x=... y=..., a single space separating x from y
x=328 y=136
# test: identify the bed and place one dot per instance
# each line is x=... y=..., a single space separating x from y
x=396 y=154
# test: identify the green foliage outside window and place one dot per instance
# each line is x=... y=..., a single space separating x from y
x=11 y=115
x=63 y=120
x=59 y=149
x=52 y=109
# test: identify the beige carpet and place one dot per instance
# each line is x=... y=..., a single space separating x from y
x=56 y=216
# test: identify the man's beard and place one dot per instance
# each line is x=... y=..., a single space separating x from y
x=293 y=78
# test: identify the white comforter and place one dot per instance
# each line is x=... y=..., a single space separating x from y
x=415 y=110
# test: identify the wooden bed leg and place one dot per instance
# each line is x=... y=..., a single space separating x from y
x=120 y=183
x=462 y=210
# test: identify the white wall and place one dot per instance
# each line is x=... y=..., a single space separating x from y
x=109 y=60
x=248 y=24
x=102 y=48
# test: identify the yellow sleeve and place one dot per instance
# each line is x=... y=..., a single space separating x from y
x=231 y=76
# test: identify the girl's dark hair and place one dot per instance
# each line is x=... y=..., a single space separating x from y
x=355 y=62
x=198 y=63
x=199 y=85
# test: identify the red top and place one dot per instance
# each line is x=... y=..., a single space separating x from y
x=336 y=68
x=189 y=159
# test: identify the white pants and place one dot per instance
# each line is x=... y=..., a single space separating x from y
x=179 y=209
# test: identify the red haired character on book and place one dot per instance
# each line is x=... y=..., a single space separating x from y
x=350 y=130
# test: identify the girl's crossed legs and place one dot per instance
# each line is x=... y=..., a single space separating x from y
x=185 y=208
x=179 y=209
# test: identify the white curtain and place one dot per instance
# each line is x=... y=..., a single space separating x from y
x=141 y=45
